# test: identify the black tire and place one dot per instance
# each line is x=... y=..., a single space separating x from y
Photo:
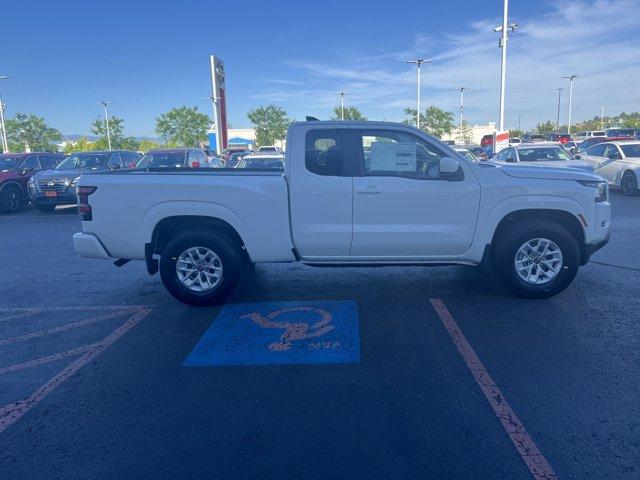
x=224 y=247
x=11 y=199
x=46 y=207
x=506 y=248
x=629 y=183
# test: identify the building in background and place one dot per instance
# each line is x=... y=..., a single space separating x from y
x=473 y=133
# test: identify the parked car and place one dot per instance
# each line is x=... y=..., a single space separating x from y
x=235 y=157
x=617 y=162
x=589 y=142
x=581 y=136
x=264 y=161
x=570 y=146
x=515 y=140
x=562 y=138
x=623 y=132
x=477 y=151
x=269 y=149
x=175 y=158
x=532 y=137
x=486 y=140
x=410 y=200
x=547 y=154
x=215 y=162
x=15 y=171
x=466 y=154
x=58 y=186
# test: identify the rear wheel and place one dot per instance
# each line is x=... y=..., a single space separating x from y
x=200 y=267
x=45 y=207
x=11 y=199
x=536 y=258
x=629 y=183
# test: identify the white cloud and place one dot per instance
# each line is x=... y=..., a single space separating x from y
x=596 y=39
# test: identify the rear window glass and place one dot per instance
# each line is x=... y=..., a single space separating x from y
x=631 y=150
x=163 y=159
x=262 y=163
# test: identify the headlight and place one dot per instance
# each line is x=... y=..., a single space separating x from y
x=601 y=186
x=32 y=182
x=75 y=181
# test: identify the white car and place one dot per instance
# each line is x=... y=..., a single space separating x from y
x=617 y=162
x=581 y=136
x=262 y=161
x=351 y=194
x=466 y=154
x=515 y=141
x=547 y=154
x=269 y=149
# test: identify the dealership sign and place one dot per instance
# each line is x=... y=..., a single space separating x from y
x=218 y=92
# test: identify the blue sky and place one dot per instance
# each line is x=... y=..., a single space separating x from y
x=147 y=57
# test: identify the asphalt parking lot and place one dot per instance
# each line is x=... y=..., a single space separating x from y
x=446 y=375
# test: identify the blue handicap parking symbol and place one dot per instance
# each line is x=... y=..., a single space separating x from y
x=280 y=333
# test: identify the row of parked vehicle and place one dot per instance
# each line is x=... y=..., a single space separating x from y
x=50 y=179
x=613 y=154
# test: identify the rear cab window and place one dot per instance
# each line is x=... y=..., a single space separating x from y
x=324 y=152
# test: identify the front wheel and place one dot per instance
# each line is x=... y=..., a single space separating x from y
x=200 y=267
x=536 y=258
x=629 y=183
x=11 y=199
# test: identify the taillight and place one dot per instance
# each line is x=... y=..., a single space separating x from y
x=84 y=209
x=195 y=164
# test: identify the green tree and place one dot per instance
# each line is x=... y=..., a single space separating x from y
x=464 y=135
x=515 y=133
x=116 y=129
x=183 y=126
x=146 y=145
x=350 y=113
x=546 y=127
x=434 y=120
x=31 y=131
x=80 y=145
x=271 y=124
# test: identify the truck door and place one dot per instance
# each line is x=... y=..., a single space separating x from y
x=403 y=208
x=320 y=193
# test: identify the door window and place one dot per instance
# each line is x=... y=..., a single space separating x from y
x=31 y=162
x=48 y=161
x=611 y=152
x=596 y=150
x=323 y=152
x=115 y=160
x=390 y=153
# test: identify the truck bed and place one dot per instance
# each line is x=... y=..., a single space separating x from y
x=254 y=202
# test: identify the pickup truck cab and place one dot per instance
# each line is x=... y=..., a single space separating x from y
x=352 y=193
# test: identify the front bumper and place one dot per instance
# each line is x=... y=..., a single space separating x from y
x=61 y=199
x=89 y=246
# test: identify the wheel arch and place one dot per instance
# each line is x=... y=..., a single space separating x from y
x=15 y=183
x=566 y=219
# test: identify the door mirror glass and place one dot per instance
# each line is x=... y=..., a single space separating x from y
x=449 y=166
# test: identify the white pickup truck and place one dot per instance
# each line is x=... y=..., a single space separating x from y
x=351 y=193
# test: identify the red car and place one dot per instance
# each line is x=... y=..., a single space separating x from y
x=15 y=171
x=486 y=140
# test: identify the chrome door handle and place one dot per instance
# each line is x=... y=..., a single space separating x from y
x=369 y=190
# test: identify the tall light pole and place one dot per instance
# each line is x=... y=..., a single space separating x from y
x=104 y=103
x=571 y=78
x=214 y=105
x=342 y=94
x=5 y=144
x=558 y=116
x=461 y=90
x=503 y=44
x=418 y=62
x=602 y=118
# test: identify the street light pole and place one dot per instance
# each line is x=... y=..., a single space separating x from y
x=104 y=103
x=418 y=62
x=342 y=94
x=5 y=143
x=602 y=118
x=571 y=78
x=503 y=44
x=558 y=116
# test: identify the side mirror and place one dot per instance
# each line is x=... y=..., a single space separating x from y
x=114 y=166
x=510 y=160
x=449 y=166
x=26 y=170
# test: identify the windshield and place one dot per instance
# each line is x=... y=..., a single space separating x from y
x=543 y=154
x=84 y=161
x=8 y=163
x=163 y=159
x=632 y=150
x=262 y=163
x=268 y=149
